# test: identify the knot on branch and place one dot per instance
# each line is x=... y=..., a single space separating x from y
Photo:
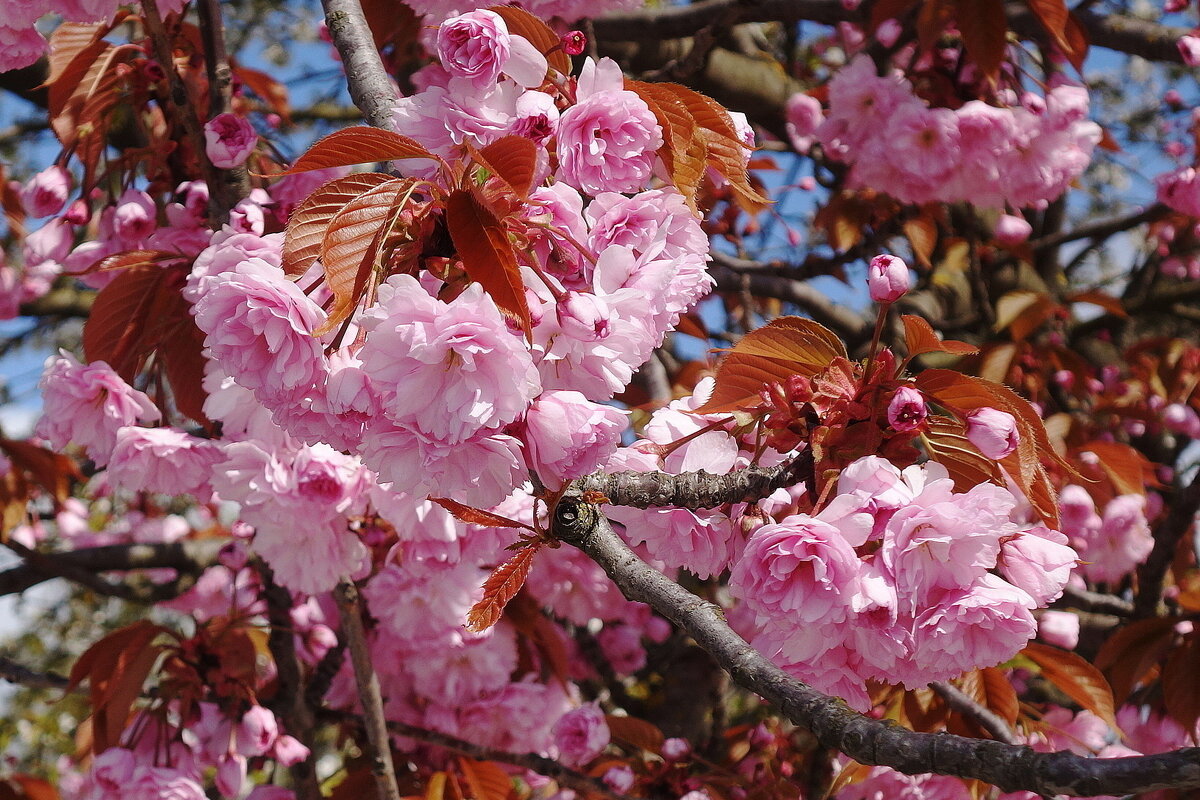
x=574 y=519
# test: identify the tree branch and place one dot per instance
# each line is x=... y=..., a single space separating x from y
x=21 y=675
x=369 y=83
x=232 y=184
x=1184 y=507
x=350 y=612
x=987 y=719
x=868 y=741
x=191 y=556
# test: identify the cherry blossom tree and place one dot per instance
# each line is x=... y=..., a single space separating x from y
x=398 y=460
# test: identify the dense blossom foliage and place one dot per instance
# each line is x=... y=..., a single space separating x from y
x=343 y=404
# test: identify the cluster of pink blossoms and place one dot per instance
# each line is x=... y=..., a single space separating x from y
x=1022 y=154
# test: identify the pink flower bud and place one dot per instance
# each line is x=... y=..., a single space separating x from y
x=906 y=411
x=888 y=32
x=1059 y=628
x=46 y=192
x=618 y=778
x=583 y=316
x=231 y=774
x=887 y=278
x=257 y=731
x=675 y=749
x=1012 y=230
x=1189 y=48
x=289 y=751
x=993 y=431
x=228 y=140
x=573 y=42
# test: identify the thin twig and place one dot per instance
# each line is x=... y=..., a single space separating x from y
x=369 y=693
x=1184 y=507
x=19 y=674
x=989 y=720
x=232 y=184
x=191 y=556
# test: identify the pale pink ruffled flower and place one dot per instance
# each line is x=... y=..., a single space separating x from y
x=461 y=353
x=1038 y=560
x=162 y=460
x=20 y=47
x=229 y=139
x=567 y=436
x=804 y=116
x=607 y=141
x=581 y=734
x=474 y=46
x=87 y=404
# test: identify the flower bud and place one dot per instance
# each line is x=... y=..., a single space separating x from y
x=228 y=140
x=1189 y=48
x=1012 y=230
x=906 y=411
x=1059 y=628
x=288 y=751
x=47 y=192
x=887 y=278
x=993 y=432
x=573 y=42
x=583 y=316
x=231 y=774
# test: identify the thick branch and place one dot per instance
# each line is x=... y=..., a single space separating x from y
x=697 y=489
x=369 y=694
x=370 y=87
x=191 y=556
x=866 y=740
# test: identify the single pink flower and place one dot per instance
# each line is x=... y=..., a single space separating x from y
x=474 y=46
x=906 y=410
x=567 y=436
x=581 y=734
x=228 y=140
x=1012 y=230
x=46 y=193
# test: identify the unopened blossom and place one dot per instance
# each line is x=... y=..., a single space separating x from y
x=135 y=216
x=87 y=404
x=906 y=410
x=257 y=731
x=1059 y=628
x=567 y=436
x=1189 y=48
x=584 y=316
x=581 y=734
x=229 y=139
x=607 y=141
x=804 y=116
x=1012 y=230
x=993 y=432
x=887 y=278
x=46 y=193
x=231 y=774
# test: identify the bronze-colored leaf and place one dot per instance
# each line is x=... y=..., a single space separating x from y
x=784 y=347
x=514 y=160
x=539 y=34
x=1127 y=468
x=306 y=228
x=1112 y=305
x=922 y=233
x=946 y=441
x=997 y=694
x=1132 y=651
x=1181 y=689
x=486 y=779
x=272 y=92
x=636 y=732
x=501 y=586
x=358 y=145
x=115 y=331
x=487 y=254
x=477 y=516
x=919 y=337
x=683 y=152
x=984 y=30
x=1078 y=679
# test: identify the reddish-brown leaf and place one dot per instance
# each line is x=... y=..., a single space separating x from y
x=922 y=235
x=358 y=145
x=27 y=787
x=1112 y=305
x=477 y=516
x=786 y=346
x=888 y=9
x=925 y=710
x=181 y=350
x=1023 y=312
x=998 y=695
x=514 y=160
x=69 y=65
x=115 y=332
x=306 y=227
x=486 y=779
x=984 y=30
x=501 y=586
x=919 y=337
x=1127 y=468
x=683 y=152
x=353 y=246
x=539 y=34
x=1078 y=679
x=487 y=254
x=636 y=732
x=52 y=471
x=1181 y=689
x=526 y=616
x=1132 y=651
x=272 y=92
x=1075 y=42
x=947 y=443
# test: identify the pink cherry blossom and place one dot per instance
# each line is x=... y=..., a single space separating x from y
x=46 y=193
x=474 y=46
x=1038 y=560
x=993 y=431
x=906 y=410
x=20 y=47
x=581 y=734
x=567 y=436
x=607 y=141
x=1059 y=628
x=229 y=139
x=1012 y=230
x=87 y=404
x=804 y=116
x=162 y=460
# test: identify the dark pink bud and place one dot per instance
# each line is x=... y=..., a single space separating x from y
x=993 y=432
x=573 y=42
x=907 y=409
x=887 y=278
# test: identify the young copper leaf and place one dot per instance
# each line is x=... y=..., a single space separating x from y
x=683 y=152
x=487 y=254
x=74 y=48
x=181 y=351
x=1078 y=679
x=947 y=443
x=984 y=30
x=996 y=693
x=501 y=586
x=1181 y=690
x=919 y=337
x=1023 y=312
x=1132 y=651
x=786 y=346
x=358 y=145
x=272 y=92
x=477 y=516
x=115 y=330
x=306 y=227
x=526 y=616
x=922 y=234
x=1075 y=38
x=512 y=159
x=1112 y=305
x=486 y=779
x=52 y=471
x=1128 y=469
x=353 y=246
x=636 y=732
x=539 y=34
